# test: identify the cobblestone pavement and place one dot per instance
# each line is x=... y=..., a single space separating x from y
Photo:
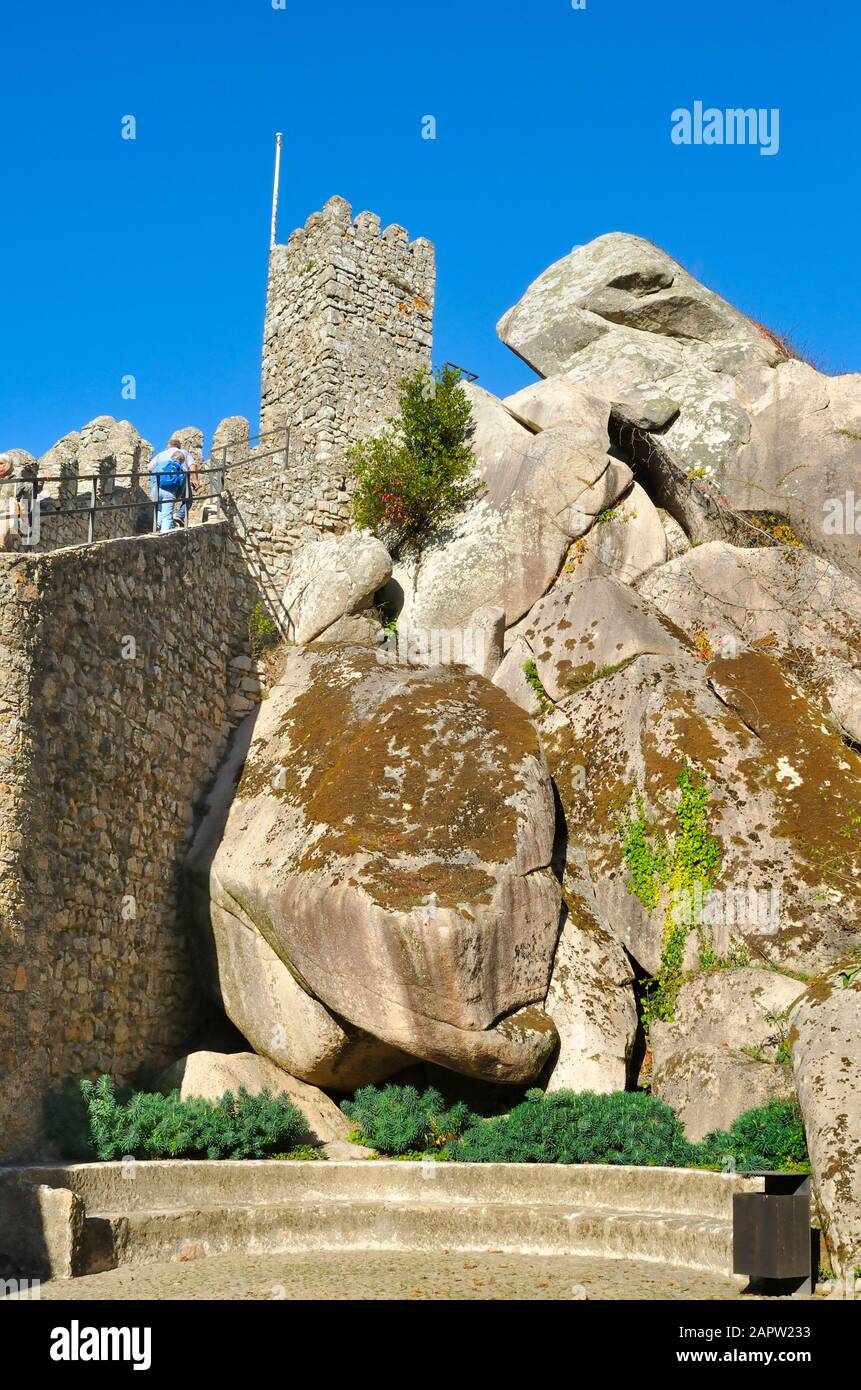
x=366 y=1274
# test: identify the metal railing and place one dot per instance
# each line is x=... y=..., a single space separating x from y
x=465 y=375
x=102 y=485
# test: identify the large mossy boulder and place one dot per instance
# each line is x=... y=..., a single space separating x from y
x=390 y=841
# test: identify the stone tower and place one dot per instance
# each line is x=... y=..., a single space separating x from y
x=348 y=314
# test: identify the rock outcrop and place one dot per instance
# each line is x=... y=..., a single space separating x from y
x=790 y=881
x=211 y=1074
x=781 y=599
x=727 y=1051
x=331 y=579
x=390 y=841
x=591 y=1001
x=622 y=320
x=825 y=1035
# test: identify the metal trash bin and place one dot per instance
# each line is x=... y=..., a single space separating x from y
x=772 y=1240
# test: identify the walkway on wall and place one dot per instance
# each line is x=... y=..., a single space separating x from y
x=95 y=500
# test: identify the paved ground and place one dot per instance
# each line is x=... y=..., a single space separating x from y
x=367 y=1274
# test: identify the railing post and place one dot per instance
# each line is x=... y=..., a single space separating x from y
x=154 y=485
x=91 y=516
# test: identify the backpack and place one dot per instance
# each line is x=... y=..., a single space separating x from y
x=171 y=475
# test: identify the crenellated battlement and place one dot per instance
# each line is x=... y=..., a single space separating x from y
x=349 y=312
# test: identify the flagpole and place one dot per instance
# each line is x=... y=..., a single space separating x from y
x=275 y=184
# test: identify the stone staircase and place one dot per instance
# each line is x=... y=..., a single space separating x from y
x=178 y=1210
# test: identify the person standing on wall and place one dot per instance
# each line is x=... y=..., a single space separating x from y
x=173 y=477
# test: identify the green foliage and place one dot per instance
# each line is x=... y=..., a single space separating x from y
x=630 y=1127
x=770 y=1136
x=397 y=1120
x=151 y=1125
x=736 y=957
x=530 y=671
x=389 y=618
x=682 y=870
x=419 y=471
x=568 y=1127
x=262 y=631
x=775 y=529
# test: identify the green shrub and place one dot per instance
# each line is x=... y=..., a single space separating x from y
x=530 y=671
x=262 y=630
x=564 y=1127
x=420 y=470
x=151 y=1125
x=397 y=1120
x=771 y=1136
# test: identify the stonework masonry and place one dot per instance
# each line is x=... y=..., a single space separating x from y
x=349 y=313
x=123 y=669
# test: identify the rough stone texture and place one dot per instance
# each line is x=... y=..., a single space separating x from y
x=331 y=578
x=511 y=677
x=745 y=1007
x=710 y=1086
x=102 y=753
x=488 y=624
x=558 y=401
x=359 y=629
x=437 y=1275
x=40 y=1230
x=591 y=1001
x=268 y=1003
x=826 y=1057
x=699 y=1065
x=628 y=542
x=677 y=541
x=617 y=279
x=401 y=863
x=782 y=599
x=509 y=557
x=348 y=314
x=500 y=443
x=766 y=754
x=622 y=319
x=586 y=628
x=210 y=1074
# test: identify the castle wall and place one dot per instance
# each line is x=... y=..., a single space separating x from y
x=121 y=675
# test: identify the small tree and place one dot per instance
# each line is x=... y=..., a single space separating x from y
x=419 y=471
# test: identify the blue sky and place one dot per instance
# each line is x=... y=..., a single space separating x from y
x=148 y=257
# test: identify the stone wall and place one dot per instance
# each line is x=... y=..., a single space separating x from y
x=348 y=313
x=123 y=667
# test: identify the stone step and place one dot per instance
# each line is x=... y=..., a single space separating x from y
x=111 y=1239
x=179 y=1183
